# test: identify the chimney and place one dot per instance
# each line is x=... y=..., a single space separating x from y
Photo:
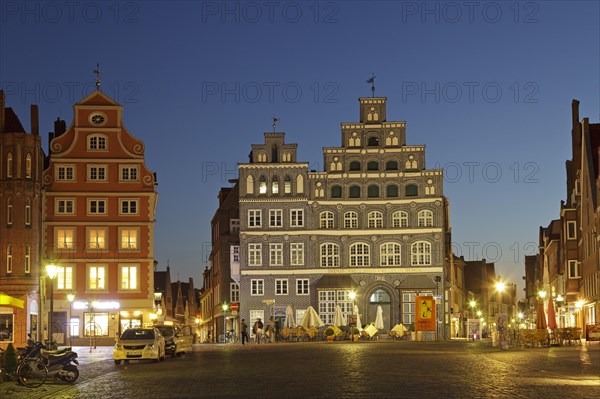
x=1 y=111
x=35 y=120
x=59 y=127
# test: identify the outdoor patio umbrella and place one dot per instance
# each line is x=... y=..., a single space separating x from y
x=358 y=323
x=311 y=318
x=379 y=318
x=551 y=315
x=540 y=322
x=289 y=321
x=338 y=317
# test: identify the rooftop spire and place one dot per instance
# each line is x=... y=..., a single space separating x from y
x=97 y=73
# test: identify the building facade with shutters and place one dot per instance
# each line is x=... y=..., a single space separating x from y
x=99 y=211
x=375 y=222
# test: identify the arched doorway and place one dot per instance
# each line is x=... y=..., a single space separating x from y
x=380 y=297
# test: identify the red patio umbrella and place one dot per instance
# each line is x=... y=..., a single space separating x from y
x=551 y=315
x=540 y=321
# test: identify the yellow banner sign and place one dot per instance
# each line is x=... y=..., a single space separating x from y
x=425 y=313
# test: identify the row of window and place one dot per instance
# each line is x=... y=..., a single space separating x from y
x=10 y=212
x=96 y=238
x=284 y=187
x=98 y=173
x=257 y=286
x=336 y=166
x=359 y=254
x=373 y=191
x=327 y=219
x=95 y=206
x=97 y=277
x=10 y=164
x=9 y=259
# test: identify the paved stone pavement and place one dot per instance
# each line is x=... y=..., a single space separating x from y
x=382 y=369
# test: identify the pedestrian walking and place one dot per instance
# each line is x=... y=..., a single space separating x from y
x=257 y=330
x=277 y=328
x=501 y=333
x=271 y=329
x=244 y=329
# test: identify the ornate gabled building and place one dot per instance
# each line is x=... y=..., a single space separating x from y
x=99 y=212
x=21 y=166
x=375 y=222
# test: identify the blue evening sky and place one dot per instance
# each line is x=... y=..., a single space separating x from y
x=487 y=86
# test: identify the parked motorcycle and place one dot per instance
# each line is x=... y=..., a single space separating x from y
x=61 y=363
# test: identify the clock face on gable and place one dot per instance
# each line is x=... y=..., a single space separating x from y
x=97 y=119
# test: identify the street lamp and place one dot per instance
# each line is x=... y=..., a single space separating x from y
x=224 y=322
x=51 y=270
x=71 y=298
x=352 y=296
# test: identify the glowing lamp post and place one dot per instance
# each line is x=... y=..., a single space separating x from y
x=352 y=297
x=51 y=271
x=224 y=322
x=70 y=298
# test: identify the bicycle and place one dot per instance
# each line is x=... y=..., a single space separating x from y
x=229 y=337
x=31 y=372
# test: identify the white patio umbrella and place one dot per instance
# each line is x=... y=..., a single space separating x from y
x=379 y=318
x=358 y=323
x=289 y=321
x=311 y=318
x=338 y=317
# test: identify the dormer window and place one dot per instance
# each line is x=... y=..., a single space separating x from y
x=97 y=142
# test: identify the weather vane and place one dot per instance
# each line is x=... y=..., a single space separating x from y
x=275 y=120
x=372 y=81
x=97 y=73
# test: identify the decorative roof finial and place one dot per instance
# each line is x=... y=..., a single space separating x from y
x=97 y=73
x=275 y=120
x=372 y=81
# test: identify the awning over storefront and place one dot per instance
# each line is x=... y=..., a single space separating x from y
x=336 y=282
x=418 y=282
x=10 y=302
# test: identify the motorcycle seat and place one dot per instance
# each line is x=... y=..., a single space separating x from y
x=56 y=351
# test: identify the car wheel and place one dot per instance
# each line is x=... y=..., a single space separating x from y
x=117 y=362
x=157 y=357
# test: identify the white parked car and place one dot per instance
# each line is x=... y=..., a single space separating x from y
x=178 y=338
x=138 y=344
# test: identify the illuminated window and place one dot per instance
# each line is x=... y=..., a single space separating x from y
x=95 y=324
x=96 y=238
x=129 y=277
x=64 y=238
x=129 y=238
x=287 y=185
x=96 y=277
x=262 y=185
x=64 y=277
x=275 y=185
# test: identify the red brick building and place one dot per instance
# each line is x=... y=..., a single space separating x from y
x=21 y=165
x=98 y=212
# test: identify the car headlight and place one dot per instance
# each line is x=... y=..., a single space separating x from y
x=118 y=347
x=150 y=346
